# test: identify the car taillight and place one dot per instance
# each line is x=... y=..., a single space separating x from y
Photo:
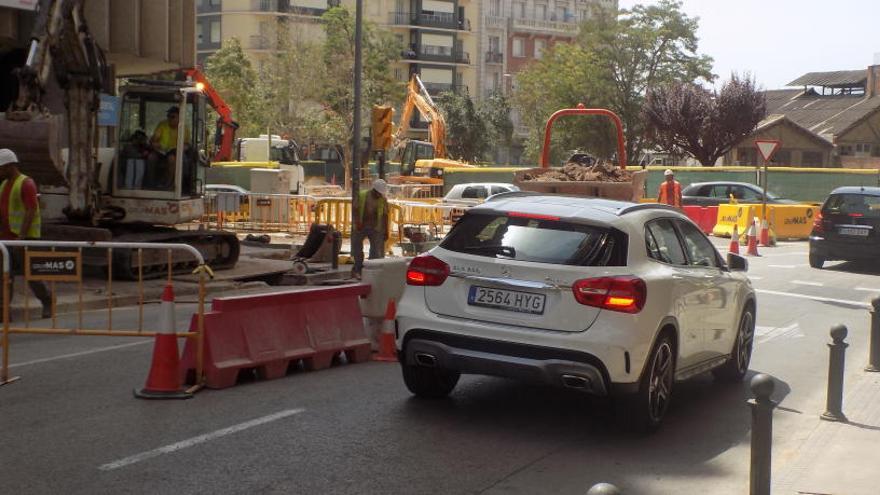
x=426 y=270
x=624 y=294
x=817 y=223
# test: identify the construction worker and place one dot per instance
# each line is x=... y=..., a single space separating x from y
x=20 y=219
x=164 y=141
x=670 y=190
x=372 y=223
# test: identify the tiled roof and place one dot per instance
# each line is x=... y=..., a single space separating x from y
x=826 y=116
x=836 y=79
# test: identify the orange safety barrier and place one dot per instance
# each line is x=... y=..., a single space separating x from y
x=270 y=332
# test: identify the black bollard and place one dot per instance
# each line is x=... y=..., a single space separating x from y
x=874 y=342
x=836 y=362
x=762 y=433
x=604 y=489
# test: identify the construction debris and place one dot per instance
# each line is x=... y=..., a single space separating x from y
x=574 y=172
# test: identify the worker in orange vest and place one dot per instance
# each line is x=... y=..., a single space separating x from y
x=670 y=190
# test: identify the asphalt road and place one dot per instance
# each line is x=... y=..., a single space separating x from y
x=70 y=425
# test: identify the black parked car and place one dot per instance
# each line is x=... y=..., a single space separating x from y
x=847 y=227
x=718 y=193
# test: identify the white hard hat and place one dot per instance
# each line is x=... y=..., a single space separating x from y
x=7 y=157
x=668 y=172
x=380 y=187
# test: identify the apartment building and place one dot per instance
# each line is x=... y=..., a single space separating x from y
x=256 y=23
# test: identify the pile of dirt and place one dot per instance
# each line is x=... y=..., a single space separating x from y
x=573 y=172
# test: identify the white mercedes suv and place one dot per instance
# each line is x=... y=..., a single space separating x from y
x=605 y=297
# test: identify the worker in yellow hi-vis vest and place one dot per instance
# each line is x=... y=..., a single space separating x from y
x=20 y=219
x=371 y=224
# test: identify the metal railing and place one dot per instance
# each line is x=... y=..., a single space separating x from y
x=259 y=212
x=64 y=263
x=437 y=20
x=542 y=26
x=494 y=57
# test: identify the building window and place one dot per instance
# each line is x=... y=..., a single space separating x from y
x=494 y=44
x=540 y=46
x=519 y=49
x=519 y=10
x=215 y=32
x=200 y=33
x=495 y=8
x=541 y=12
x=846 y=150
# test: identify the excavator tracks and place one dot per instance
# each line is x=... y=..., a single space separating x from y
x=219 y=249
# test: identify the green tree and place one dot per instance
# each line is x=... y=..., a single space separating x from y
x=467 y=134
x=336 y=76
x=495 y=109
x=688 y=117
x=617 y=58
x=232 y=75
x=567 y=75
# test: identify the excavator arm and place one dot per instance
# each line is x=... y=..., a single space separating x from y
x=417 y=98
x=224 y=137
x=61 y=45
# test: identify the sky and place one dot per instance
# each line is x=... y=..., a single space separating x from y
x=780 y=40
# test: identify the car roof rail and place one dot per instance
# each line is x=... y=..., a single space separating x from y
x=646 y=206
x=512 y=194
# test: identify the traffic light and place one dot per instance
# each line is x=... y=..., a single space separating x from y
x=381 y=127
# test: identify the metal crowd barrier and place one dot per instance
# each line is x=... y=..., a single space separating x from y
x=55 y=263
x=259 y=212
x=418 y=192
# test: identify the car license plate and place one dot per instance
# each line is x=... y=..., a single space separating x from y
x=508 y=300
x=854 y=231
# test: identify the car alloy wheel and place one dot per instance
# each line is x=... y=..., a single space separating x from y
x=745 y=341
x=660 y=381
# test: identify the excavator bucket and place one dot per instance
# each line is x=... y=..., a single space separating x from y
x=37 y=144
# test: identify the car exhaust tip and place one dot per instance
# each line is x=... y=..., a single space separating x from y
x=574 y=381
x=425 y=359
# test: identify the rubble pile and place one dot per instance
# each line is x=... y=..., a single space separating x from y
x=574 y=172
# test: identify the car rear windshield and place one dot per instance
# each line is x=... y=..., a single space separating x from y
x=540 y=240
x=855 y=205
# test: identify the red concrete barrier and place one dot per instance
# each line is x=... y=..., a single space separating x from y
x=271 y=332
x=704 y=216
x=709 y=219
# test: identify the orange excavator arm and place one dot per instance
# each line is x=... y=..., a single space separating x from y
x=224 y=137
x=417 y=97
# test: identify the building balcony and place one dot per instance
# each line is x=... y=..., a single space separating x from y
x=438 y=54
x=494 y=57
x=495 y=22
x=435 y=21
x=281 y=7
x=540 y=26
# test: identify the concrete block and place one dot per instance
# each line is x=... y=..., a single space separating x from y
x=387 y=277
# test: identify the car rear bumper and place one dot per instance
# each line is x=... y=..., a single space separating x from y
x=579 y=371
x=611 y=354
x=839 y=250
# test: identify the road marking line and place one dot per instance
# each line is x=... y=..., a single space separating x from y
x=784 y=266
x=765 y=334
x=867 y=289
x=82 y=353
x=815 y=298
x=756 y=277
x=804 y=282
x=190 y=442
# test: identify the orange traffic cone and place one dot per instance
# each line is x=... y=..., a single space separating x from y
x=163 y=382
x=734 y=241
x=753 y=239
x=765 y=233
x=387 y=346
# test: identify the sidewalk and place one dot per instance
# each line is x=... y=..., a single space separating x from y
x=840 y=458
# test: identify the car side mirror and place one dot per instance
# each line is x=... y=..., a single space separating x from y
x=737 y=263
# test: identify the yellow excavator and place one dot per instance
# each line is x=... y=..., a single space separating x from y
x=108 y=183
x=421 y=161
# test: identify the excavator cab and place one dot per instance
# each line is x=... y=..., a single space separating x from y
x=143 y=170
x=413 y=152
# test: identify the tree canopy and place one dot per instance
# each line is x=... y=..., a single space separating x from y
x=474 y=130
x=688 y=117
x=233 y=76
x=617 y=58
